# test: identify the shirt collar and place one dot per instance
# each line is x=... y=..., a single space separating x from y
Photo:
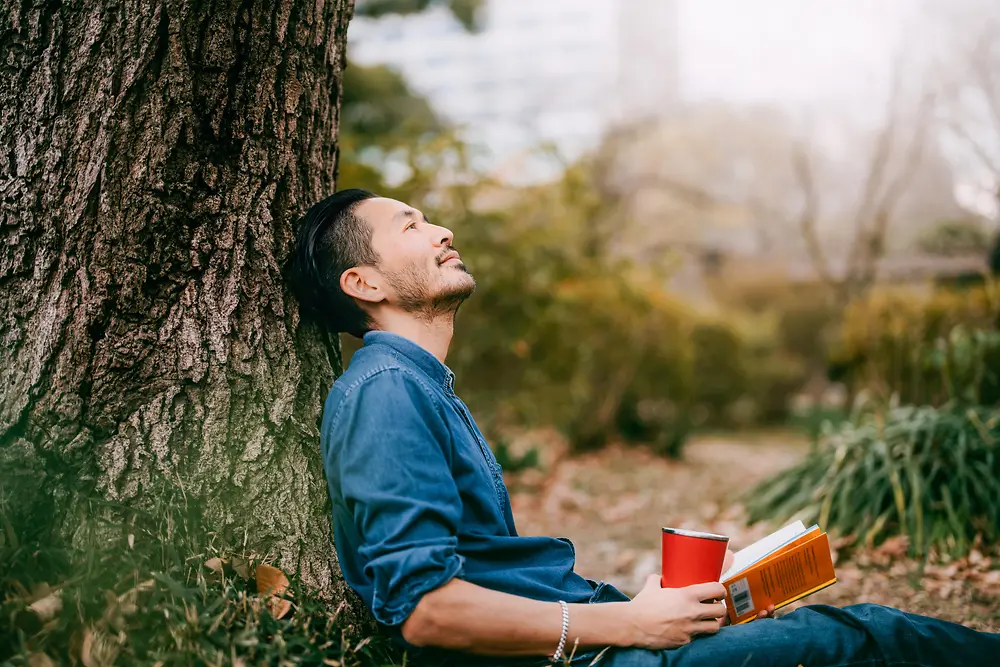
x=415 y=354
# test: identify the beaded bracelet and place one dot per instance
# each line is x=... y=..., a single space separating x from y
x=565 y=631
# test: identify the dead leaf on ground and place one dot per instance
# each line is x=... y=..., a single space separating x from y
x=47 y=607
x=40 y=660
x=273 y=583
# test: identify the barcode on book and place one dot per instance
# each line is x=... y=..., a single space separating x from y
x=740 y=592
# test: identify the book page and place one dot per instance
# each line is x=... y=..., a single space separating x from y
x=744 y=558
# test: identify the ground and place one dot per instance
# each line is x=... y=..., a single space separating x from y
x=613 y=503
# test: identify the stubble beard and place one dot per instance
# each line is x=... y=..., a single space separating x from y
x=415 y=295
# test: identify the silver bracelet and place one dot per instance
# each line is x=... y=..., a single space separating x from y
x=565 y=631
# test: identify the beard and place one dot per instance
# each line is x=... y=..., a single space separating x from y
x=431 y=294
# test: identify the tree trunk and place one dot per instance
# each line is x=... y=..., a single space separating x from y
x=154 y=157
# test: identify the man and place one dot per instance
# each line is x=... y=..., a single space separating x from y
x=423 y=522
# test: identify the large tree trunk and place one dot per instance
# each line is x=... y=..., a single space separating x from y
x=153 y=157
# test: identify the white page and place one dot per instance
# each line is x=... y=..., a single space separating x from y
x=744 y=558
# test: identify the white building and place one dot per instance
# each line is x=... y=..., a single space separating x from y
x=538 y=71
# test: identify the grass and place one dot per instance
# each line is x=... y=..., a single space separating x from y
x=133 y=589
x=932 y=474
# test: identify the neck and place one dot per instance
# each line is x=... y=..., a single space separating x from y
x=433 y=334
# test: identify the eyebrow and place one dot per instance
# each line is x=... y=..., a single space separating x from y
x=409 y=213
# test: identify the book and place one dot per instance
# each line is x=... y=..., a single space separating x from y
x=783 y=567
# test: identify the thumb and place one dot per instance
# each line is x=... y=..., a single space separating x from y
x=652 y=581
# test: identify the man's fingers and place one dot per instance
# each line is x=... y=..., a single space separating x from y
x=711 y=610
x=713 y=590
x=706 y=628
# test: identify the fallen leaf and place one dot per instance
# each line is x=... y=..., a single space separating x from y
x=273 y=583
x=40 y=660
x=241 y=566
x=47 y=607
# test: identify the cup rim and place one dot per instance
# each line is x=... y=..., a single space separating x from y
x=695 y=533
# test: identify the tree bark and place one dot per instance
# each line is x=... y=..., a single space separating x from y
x=154 y=156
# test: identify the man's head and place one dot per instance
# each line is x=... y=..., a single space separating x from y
x=360 y=257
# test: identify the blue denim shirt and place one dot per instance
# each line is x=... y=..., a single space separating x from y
x=418 y=497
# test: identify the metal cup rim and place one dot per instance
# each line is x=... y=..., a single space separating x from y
x=695 y=533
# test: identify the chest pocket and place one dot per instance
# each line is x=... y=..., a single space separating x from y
x=492 y=465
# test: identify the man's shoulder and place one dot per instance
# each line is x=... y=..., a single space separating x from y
x=372 y=368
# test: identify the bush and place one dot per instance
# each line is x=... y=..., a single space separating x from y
x=923 y=349
x=955 y=237
x=932 y=474
x=133 y=589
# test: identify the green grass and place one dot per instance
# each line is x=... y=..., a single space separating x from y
x=930 y=473
x=131 y=588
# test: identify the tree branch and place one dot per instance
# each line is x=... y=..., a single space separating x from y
x=809 y=215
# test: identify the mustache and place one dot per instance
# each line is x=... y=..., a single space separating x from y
x=449 y=251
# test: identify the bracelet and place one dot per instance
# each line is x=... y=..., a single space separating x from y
x=565 y=631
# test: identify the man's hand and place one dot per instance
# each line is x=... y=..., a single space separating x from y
x=670 y=617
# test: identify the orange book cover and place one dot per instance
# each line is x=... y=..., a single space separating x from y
x=801 y=568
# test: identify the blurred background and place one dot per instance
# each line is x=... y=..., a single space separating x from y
x=672 y=206
x=734 y=260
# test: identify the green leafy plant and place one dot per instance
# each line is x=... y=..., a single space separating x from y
x=156 y=586
x=930 y=473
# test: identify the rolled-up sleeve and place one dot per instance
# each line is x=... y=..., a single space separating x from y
x=389 y=449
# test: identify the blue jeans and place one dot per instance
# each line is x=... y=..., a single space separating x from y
x=860 y=635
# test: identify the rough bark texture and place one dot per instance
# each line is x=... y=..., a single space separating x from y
x=154 y=156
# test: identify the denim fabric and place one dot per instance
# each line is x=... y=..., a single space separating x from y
x=418 y=497
x=823 y=636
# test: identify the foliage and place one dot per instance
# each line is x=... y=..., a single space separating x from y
x=464 y=11
x=378 y=109
x=923 y=348
x=930 y=473
x=955 y=237
x=132 y=587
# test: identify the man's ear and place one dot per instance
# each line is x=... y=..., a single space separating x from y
x=362 y=282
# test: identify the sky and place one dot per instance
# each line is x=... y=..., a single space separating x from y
x=791 y=52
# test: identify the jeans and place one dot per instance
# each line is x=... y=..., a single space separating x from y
x=824 y=636
x=860 y=635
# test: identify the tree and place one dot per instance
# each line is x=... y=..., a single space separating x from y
x=156 y=155
x=892 y=164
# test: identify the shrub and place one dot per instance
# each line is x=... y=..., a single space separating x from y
x=923 y=348
x=955 y=237
x=930 y=473
x=132 y=588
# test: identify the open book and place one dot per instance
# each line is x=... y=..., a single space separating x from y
x=781 y=568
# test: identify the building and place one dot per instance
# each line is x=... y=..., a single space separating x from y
x=552 y=72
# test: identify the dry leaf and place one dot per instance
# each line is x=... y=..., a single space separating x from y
x=273 y=583
x=241 y=566
x=892 y=549
x=40 y=660
x=214 y=564
x=98 y=650
x=47 y=607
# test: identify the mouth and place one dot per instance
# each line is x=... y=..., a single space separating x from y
x=450 y=257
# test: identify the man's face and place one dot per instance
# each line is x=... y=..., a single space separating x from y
x=421 y=269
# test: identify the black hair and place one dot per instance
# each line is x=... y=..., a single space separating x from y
x=330 y=240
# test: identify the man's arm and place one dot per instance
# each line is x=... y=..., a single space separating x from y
x=464 y=617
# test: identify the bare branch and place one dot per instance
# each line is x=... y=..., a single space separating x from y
x=874 y=245
x=880 y=159
x=809 y=215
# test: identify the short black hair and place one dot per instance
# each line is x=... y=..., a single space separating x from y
x=330 y=240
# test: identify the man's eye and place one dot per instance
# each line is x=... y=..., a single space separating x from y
x=412 y=225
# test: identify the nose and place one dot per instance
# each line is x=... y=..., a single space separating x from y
x=446 y=235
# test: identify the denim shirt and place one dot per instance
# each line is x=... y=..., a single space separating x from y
x=418 y=497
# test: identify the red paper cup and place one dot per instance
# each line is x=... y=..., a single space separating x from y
x=689 y=557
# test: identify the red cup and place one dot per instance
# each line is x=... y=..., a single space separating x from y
x=689 y=557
